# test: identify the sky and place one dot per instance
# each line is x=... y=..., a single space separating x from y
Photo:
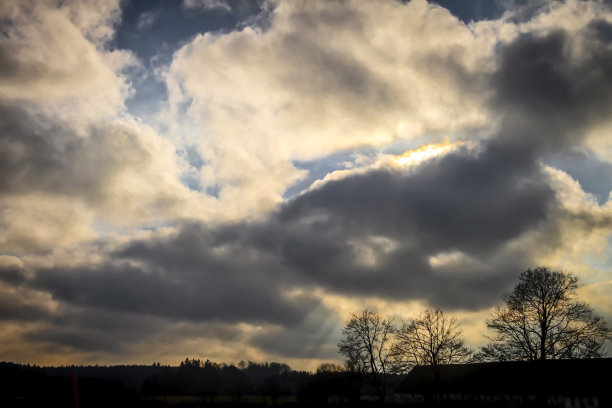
x=231 y=179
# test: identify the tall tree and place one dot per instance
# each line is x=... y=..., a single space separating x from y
x=542 y=319
x=366 y=343
x=432 y=338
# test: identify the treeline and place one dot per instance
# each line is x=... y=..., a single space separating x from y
x=147 y=385
x=26 y=386
x=209 y=379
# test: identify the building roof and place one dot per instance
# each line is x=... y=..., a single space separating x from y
x=561 y=377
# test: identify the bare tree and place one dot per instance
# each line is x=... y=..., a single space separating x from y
x=366 y=344
x=330 y=368
x=432 y=338
x=541 y=319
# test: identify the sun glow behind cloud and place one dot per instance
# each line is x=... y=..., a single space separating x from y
x=408 y=160
x=427 y=152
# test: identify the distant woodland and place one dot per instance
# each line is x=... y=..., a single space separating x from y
x=192 y=383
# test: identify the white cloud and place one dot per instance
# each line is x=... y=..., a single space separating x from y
x=73 y=156
x=207 y=4
x=324 y=76
x=53 y=58
x=146 y=20
x=584 y=230
x=34 y=222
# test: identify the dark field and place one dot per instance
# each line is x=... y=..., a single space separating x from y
x=194 y=384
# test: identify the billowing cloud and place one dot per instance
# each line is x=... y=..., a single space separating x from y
x=70 y=155
x=319 y=156
x=54 y=57
x=207 y=4
x=302 y=89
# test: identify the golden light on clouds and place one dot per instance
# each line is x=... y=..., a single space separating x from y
x=427 y=152
x=240 y=191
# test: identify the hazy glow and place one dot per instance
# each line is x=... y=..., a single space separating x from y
x=445 y=258
x=427 y=152
x=256 y=205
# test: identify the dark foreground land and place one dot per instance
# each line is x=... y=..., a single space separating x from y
x=196 y=384
x=192 y=384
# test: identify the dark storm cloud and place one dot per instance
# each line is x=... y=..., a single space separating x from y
x=91 y=329
x=549 y=97
x=439 y=204
x=182 y=278
x=471 y=203
x=14 y=307
x=200 y=276
x=40 y=154
x=79 y=338
x=12 y=275
x=9 y=65
x=15 y=302
x=474 y=204
x=35 y=157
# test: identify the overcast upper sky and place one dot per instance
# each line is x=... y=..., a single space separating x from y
x=231 y=179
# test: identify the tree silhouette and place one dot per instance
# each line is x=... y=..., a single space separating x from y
x=432 y=338
x=325 y=368
x=541 y=319
x=367 y=343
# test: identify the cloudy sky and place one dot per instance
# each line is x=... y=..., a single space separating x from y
x=230 y=179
